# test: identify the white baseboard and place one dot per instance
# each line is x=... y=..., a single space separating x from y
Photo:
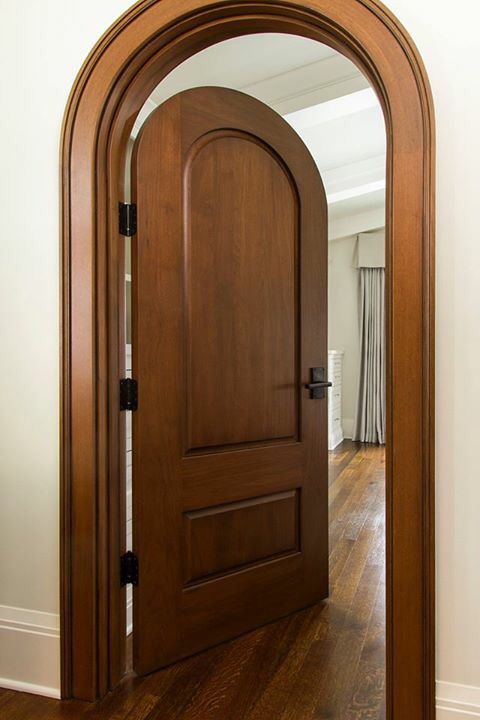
x=457 y=702
x=334 y=440
x=30 y=661
x=27 y=687
x=30 y=651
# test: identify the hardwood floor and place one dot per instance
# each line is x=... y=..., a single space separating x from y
x=322 y=663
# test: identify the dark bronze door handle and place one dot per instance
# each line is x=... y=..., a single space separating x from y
x=317 y=383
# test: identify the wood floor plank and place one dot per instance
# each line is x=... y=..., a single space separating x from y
x=324 y=663
x=367 y=700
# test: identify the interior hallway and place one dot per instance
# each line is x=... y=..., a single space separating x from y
x=322 y=663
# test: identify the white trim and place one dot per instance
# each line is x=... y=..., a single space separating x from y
x=19 y=686
x=308 y=77
x=323 y=92
x=276 y=90
x=148 y=107
x=129 y=609
x=449 y=713
x=355 y=174
x=356 y=191
x=34 y=621
x=334 y=439
x=30 y=651
x=456 y=701
x=353 y=224
x=339 y=107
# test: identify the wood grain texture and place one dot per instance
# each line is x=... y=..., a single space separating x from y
x=324 y=662
x=229 y=315
x=146 y=43
x=241 y=217
x=217 y=541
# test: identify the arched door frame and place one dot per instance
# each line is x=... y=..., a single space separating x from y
x=127 y=63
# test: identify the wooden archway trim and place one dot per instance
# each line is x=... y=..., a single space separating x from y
x=127 y=63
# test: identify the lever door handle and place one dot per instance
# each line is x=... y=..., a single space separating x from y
x=322 y=384
x=317 y=383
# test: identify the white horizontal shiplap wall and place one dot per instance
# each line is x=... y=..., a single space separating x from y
x=30 y=651
x=128 y=367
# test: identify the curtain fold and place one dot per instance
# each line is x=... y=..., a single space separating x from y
x=369 y=423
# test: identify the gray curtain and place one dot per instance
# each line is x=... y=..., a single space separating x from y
x=369 y=423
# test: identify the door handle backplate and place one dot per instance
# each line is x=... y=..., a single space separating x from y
x=317 y=383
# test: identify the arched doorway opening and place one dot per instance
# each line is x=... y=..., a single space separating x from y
x=128 y=62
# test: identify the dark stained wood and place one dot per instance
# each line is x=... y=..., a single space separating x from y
x=141 y=48
x=241 y=220
x=324 y=662
x=229 y=315
x=217 y=541
x=279 y=464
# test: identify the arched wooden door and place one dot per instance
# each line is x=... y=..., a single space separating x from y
x=229 y=325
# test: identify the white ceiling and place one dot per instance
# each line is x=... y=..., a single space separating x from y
x=321 y=94
x=242 y=61
x=355 y=133
x=347 y=140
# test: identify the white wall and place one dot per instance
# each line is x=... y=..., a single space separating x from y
x=447 y=37
x=42 y=46
x=43 y=43
x=343 y=325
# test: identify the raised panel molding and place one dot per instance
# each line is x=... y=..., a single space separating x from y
x=216 y=541
x=261 y=238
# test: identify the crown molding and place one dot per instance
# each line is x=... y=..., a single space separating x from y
x=356 y=191
x=364 y=171
x=356 y=223
x=276 y=90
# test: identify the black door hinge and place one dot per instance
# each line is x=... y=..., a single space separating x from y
x=128 y=394
x=129 y=569
x=127 y=219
